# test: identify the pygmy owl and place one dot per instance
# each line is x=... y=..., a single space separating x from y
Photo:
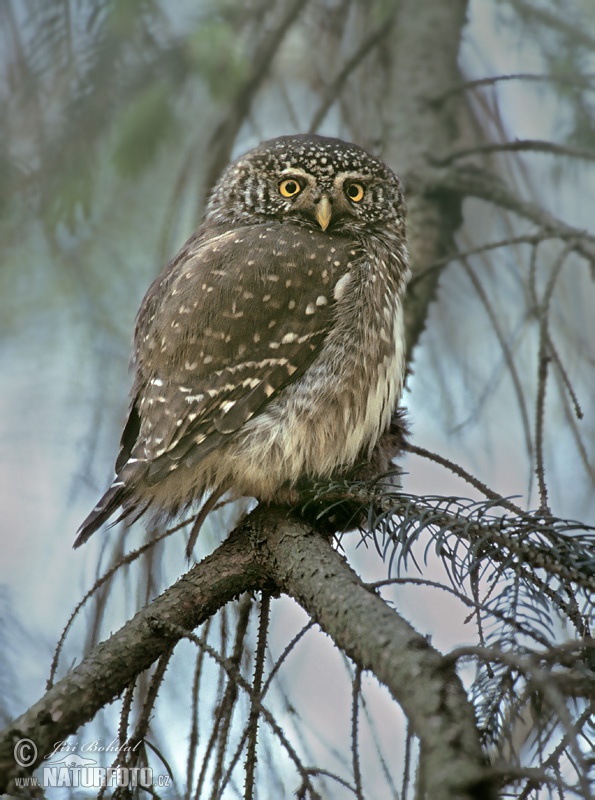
x=270 y=350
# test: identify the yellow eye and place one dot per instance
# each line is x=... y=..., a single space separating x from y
x=355 y=192
x=289 y=187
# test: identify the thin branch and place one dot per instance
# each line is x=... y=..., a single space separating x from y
x=408 y=761
x=506 y=540
x=121 y=562
x=506 y=352
x=194 y=735
x=570 y=416
x=251 y=753
x=235 y=676
x=355 y=700
x=528 y=238
x=542 y=374
x=267 y=685
x=125 y=713
x=142 y=726
x=472 y=182
x=334 y=88
x=558 y=22
x=227 y=704
x=581 y=81
x=462 y=473
x=239 y=107
x=551 y=761
x=476 y=605
x=567 y=385
x=519 y=145
x=529 y=667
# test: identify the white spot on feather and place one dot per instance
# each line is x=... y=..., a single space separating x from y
x=341 y=286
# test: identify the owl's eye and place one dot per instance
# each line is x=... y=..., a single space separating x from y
x=289 y=187
x=355 y=192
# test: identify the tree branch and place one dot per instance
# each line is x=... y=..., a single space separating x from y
x=559 y=22
x=431 y=696
x=583 y=81
x=422 y=62
x=108 y=669
x=333 y=89
x=271 y=550
x=516 y=146
x=223 y=138
x=472 y=182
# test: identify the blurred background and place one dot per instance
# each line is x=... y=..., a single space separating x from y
x=115 y=118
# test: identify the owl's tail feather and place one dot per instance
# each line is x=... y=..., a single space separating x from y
x=111 y=501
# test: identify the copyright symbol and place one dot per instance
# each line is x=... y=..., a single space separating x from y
x=25 y=752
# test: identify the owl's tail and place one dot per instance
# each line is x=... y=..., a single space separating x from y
x=111 y=501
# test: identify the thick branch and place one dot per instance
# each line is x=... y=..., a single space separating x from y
x=111 y=666
x=271 y=549
x=379 y=639
x=423 y=54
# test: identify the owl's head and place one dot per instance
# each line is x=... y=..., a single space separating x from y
x=312 y=181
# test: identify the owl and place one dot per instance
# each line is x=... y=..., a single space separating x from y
x=270 y=350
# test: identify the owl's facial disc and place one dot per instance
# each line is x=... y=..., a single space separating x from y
x=320 y=201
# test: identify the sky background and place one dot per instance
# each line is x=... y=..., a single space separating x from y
x=65 y=394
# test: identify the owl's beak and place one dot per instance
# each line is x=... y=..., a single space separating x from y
x=323 y=212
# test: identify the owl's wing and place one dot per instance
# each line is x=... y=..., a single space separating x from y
x=231 y=322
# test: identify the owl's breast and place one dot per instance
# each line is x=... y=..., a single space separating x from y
x=335 y=412
x=366 y=353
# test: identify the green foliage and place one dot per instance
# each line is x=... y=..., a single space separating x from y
x=123 y=19
x=214 y=52
x=8 y=177
x=142 y=127
x=72 y=197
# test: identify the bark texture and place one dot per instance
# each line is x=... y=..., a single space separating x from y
x=423 y=52
x=114 y=663
x=416 y=674
x=273 y=551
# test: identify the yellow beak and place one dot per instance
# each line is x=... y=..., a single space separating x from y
x=323 y=212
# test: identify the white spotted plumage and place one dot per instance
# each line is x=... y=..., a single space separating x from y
x=270 y=350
